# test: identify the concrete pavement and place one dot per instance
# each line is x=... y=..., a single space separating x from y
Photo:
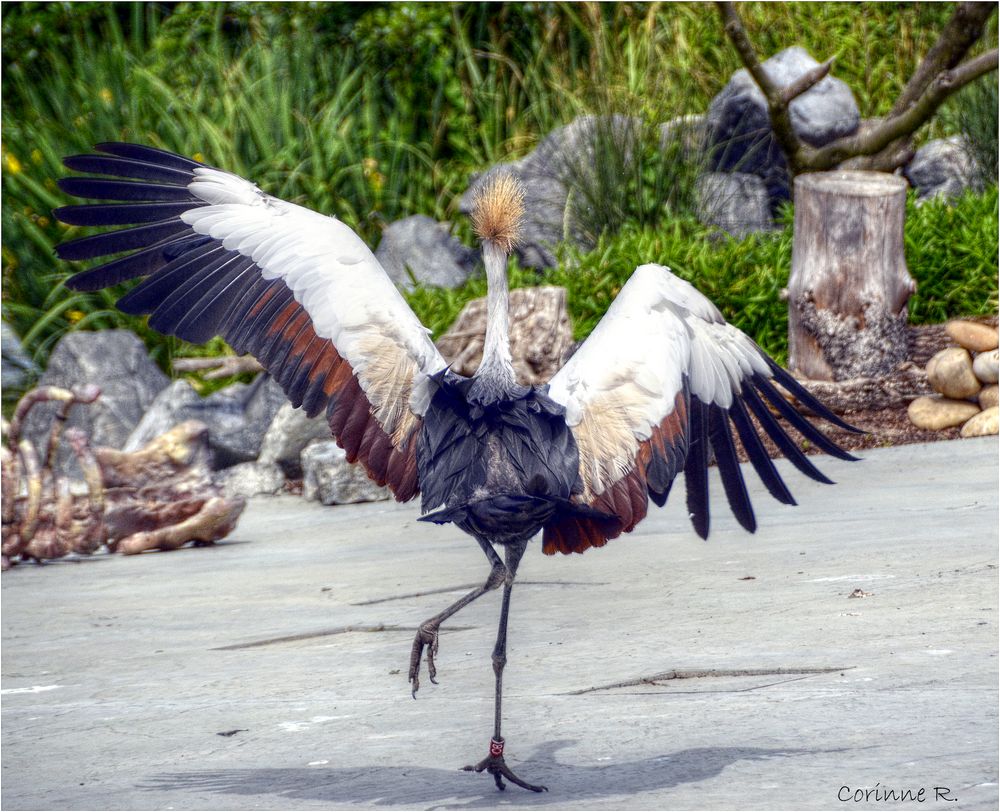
x=660 y=672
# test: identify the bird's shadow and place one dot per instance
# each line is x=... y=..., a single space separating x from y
x=452 y=789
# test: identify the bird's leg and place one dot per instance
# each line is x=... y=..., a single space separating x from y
x=427 y=632
x=494 y=763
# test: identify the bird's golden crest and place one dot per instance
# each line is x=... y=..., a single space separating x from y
x=497 y=210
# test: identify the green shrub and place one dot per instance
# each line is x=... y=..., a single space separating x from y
x=951 y=252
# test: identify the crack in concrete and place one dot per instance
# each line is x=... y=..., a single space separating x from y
x=467 y=587
x=702 y=673
x=293 y=638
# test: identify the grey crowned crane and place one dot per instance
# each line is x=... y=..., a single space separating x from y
x=648 y=396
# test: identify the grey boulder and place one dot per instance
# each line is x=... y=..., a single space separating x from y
x=17 y=369
x=329 y=478
x=289 y=433
x=248 y=479
x=237 y=417
x=740 y=137
x=419 y=249
x=943 y=168
x=114 y=360
x=736 y=202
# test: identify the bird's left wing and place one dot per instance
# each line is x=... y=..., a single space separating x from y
x=298 y=290
x=654 y=388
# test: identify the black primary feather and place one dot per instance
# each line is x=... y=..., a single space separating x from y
x=729 y=467
x=696 y=468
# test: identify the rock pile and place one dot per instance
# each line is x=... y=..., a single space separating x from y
x=965 y=378
x=256 y=442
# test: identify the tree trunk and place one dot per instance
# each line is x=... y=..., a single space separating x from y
x=849 y=286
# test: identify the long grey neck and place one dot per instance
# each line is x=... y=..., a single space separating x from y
x=496 y=368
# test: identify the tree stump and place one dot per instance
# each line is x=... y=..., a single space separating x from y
x=849 y=285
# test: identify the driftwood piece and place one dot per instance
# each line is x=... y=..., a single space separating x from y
x=849 y=286
x=220 y=366
x=214 y=519
x=161 y=496
x=540 y=334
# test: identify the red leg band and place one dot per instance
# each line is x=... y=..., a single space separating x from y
x=496 y=748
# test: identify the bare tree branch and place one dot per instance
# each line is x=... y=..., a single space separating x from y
x=886 y=143
x=221 y=366
x=959 y=34
x=806 y=81
x=777 y=106
x=884 y=133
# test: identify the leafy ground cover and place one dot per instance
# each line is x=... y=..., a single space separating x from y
x=951 y=252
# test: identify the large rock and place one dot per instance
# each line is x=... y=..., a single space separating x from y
x=975 y=337
x=565 y=159
x=688 y=132
x=540 y=334
x=237 y=417
x=950 y=373
x=115 y=360
x=17 y=370
x=420 y=249
x=736 y=202
x=328 y=477
x=739 y=127
x=289 y=433
x=943 y=167
x=982 y=424
x=940 y=413
x=251 y=479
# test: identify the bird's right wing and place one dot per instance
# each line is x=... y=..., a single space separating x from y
x=654 y=388
x=298 y=290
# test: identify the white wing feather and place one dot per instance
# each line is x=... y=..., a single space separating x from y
x=334 y=276
x=626 y=376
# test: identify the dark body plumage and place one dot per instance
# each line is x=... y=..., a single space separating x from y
x=498 y=465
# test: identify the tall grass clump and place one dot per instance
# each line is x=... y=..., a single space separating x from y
x=977 y=120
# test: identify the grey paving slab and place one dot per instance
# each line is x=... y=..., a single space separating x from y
x=122 y=675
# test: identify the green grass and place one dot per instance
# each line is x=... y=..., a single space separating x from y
x=375 y=112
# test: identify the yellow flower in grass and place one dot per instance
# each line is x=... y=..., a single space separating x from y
x=9 y=258
x=73 y=316
x=106 y=95
x=13 y=165
x=198 y=157
x=369 y=168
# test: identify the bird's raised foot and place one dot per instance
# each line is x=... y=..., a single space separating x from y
x=427 y=637
x=497 y=767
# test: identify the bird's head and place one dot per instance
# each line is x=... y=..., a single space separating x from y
x=497 y=210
